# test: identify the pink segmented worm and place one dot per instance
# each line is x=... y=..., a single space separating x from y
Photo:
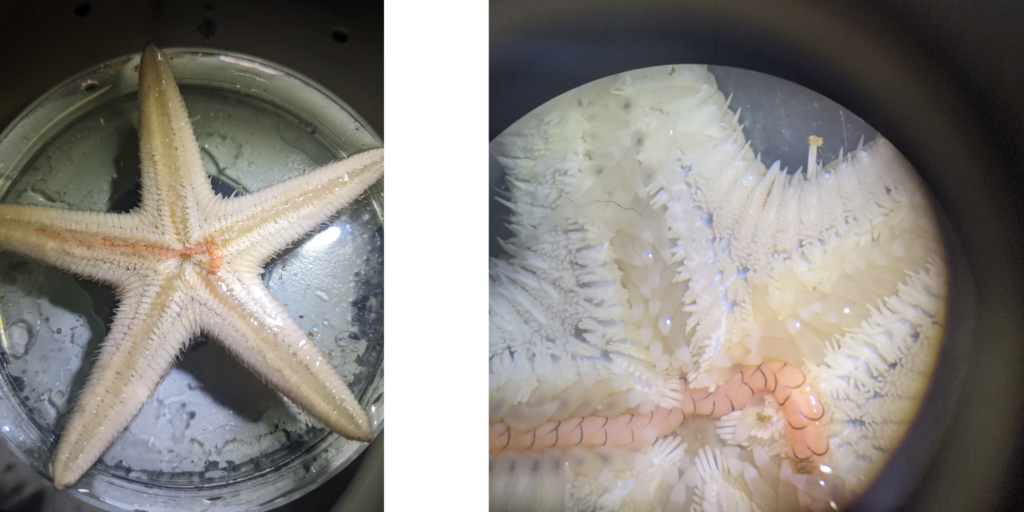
x=801 y=407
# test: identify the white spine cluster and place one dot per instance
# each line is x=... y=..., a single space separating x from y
x=651 y=245
x=578 y=171
x=876 y=376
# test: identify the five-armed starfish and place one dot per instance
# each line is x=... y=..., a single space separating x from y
x=185 y=261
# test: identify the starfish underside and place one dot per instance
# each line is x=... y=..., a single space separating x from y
x=654 y=254
x=187 y=261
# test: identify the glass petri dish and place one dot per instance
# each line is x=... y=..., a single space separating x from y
x=212 y=436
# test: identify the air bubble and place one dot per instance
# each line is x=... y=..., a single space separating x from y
x=20 y=336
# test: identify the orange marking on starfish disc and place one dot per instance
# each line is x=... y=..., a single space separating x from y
x=210 y=249
x=212 y=252
x=803 y=411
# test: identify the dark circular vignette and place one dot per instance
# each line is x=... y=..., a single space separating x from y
x=941 y=81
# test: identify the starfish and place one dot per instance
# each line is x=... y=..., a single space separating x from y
x=187 y=261
x=663 y=291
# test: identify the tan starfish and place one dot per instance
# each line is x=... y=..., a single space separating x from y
x=185 y=261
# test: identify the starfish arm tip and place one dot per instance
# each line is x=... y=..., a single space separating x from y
x=64 y=473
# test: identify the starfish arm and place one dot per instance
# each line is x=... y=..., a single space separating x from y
x=264 y=222
x=104 y=247
x=175 y=186
x=153 y=323
x=240 y=314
